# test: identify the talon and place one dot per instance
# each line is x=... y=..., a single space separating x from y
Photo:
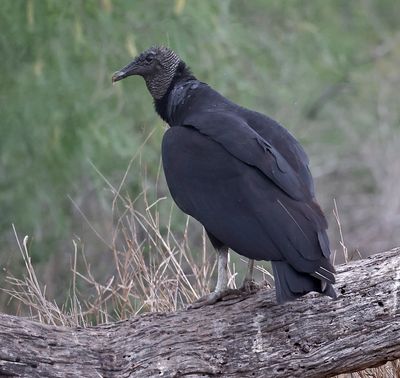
x=249 y=286
x=215 y=297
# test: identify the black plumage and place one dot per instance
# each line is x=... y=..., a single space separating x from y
x=243 y=176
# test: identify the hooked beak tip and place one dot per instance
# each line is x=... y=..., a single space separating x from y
x=117 y=76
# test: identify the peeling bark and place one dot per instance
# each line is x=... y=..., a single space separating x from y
x=252 y=337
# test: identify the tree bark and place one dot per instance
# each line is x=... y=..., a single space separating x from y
x=252 y=337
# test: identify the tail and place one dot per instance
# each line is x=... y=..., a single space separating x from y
x=291 y=284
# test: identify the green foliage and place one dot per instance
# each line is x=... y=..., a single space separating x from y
x=59 y=110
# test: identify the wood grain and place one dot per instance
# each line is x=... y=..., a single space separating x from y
x=247 y=337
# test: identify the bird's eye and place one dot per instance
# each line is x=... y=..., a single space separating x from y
x=149 y=58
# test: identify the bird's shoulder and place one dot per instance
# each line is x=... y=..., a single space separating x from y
x=206 y=105
x=252 y=137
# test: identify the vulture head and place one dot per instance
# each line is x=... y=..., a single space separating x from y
x=157 y=66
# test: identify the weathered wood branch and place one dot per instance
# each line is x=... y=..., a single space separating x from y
x=254 y=337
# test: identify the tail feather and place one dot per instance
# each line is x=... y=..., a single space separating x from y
x=324 y=243
x=325 y=272
x=291 y=284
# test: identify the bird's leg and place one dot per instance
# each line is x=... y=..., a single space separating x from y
x=222 y=280
x=221 y=290
x=249 y=284
x=250 y=270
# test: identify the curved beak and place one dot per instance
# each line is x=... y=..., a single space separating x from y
x=131 y=69
x=117 y=76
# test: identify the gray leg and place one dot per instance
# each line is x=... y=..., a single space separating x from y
x=248 y=284
x=221 y=290
x=250 y=269
x=222 y=281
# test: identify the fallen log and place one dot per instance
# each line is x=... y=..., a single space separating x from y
x=244 y=337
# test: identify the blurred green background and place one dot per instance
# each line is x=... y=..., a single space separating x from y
x=327 y=70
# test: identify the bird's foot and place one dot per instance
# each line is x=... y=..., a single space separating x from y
x=249 y=286
x=216 y=296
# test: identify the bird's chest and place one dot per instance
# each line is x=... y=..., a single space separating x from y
x=192 y=158
x=201 y=175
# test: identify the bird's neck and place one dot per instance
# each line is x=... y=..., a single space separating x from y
x=162 y=105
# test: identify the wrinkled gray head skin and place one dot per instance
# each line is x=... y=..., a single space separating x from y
x=157 y=66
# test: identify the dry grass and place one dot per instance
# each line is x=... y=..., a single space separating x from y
x=153 y=270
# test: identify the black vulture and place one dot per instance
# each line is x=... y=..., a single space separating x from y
x=242 y=175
